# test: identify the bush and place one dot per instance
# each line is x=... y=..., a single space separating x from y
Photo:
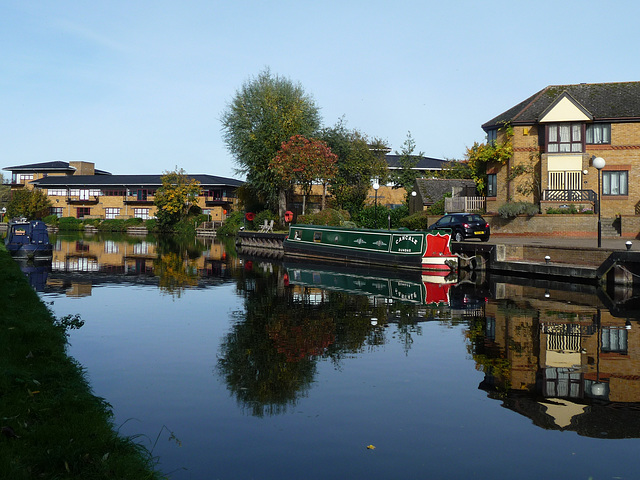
x=50 y=219
x=417 y=221
x=513 y=209
x=328 y=216
x=70 y=223
x=132 y=222
x=112 y=225
x=569 y=209
x=258 y=221
x=231 y=225
x=151 y=224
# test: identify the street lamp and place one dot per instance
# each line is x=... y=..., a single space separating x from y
x=376 y=186
x=599 y=163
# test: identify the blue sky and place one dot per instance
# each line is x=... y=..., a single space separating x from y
x=140 y=86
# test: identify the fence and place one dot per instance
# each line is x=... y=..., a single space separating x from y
x=464 y=204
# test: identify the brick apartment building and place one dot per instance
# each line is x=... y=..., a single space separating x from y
x=556 y=134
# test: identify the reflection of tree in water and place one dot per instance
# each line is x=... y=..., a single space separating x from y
x=176 y=265
x=268 y=360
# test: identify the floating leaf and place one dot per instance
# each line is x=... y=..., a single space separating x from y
x=371 y=447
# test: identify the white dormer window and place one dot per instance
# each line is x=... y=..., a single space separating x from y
x=565 y=138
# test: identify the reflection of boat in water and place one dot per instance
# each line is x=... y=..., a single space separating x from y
x=36 y=271
x=391 y=248
x=410 y=287
x=28 y=239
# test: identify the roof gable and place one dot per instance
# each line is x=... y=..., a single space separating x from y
x=565 y=108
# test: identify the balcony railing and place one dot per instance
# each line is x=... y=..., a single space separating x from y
x=76 y=199
x=569 y=196
x=464 y=204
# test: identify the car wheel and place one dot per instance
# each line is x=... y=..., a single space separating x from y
x=458 y=237
x=485 y=239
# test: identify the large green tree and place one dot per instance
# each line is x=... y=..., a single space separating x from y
x=359 y=162
x=31 y=204
x=5 y=194
x=265 y=112
x=302 y=161
x=175 y=197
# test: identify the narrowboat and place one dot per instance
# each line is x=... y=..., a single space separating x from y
x=28 y=239
x=427 y=251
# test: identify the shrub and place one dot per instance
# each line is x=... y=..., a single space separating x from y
x=50 y=219
x=328 y=216
x=70 y=223
x=112 y=225
x=569 y=209
x=151 y=224
x=231 y=225
x=417 y=221
x=513 y=209
x=258 y=221
x=132 y=222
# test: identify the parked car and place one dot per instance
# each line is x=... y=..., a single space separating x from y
x=464 y=225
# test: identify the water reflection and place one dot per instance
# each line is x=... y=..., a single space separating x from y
x=561 y=359
x=565 y=356
x=81 y=261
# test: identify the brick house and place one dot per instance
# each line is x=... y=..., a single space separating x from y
x=77 y=189
x=556 y=134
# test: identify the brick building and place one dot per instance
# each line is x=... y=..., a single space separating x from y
x=78 y=189
x=556 y=134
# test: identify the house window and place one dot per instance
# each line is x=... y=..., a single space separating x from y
x=142 y=213
x=564 y=138
x=59 y=192
x=57 y=211
x=111 y=213
x=615 y=183
x=598 y=133
x=492 y=136
x=142 y=194
x=492 y=185
x=83 y=212
x=614 y=340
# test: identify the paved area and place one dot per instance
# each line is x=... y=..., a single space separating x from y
x=608 y=243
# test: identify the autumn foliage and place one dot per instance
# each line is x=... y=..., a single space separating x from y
x=304 y=161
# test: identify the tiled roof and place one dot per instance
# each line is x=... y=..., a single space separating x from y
x=127 y=180
x=56 y=165
x=604 y=101
x=433 y=189
x=424 y=163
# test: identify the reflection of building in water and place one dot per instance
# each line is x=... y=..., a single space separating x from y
x=569 y=351
x=98 y=260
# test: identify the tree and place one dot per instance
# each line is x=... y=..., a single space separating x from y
x=455 y=169
x=405 y=177
x=302 y=161
x=359 y=161
x=31 y=204
x=265 y=112
x=5 y=192
x=175 y=197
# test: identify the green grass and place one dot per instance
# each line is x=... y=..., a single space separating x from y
x=52 y=425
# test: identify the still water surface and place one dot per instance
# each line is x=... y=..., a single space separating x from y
x=250 y=368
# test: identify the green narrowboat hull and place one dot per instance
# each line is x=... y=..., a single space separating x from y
x=397 y=248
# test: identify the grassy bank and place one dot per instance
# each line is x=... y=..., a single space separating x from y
x=52 y=425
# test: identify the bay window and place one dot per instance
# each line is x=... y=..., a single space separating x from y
x=564 y=138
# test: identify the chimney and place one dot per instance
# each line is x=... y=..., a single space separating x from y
x=83 y=168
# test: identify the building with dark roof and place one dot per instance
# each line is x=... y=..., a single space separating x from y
x=77 y=189
x=556 y=134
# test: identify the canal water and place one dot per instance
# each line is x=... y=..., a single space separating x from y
x=238 y=366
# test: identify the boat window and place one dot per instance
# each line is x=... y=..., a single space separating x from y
x=317 y=236
x=297 y=234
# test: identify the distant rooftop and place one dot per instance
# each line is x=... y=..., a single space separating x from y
x=127 y=180
x=55 y=166
x=424 y=163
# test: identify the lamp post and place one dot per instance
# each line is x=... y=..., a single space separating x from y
x=376 y=186
x=599 y=163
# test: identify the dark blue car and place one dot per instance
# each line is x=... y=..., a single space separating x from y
x=463 y=226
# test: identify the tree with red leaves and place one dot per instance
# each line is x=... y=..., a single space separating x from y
x=304 y=161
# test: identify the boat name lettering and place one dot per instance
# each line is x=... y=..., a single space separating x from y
x=407 y=238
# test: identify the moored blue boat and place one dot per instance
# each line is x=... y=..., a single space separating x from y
x=397 y=248
x=28 y=239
